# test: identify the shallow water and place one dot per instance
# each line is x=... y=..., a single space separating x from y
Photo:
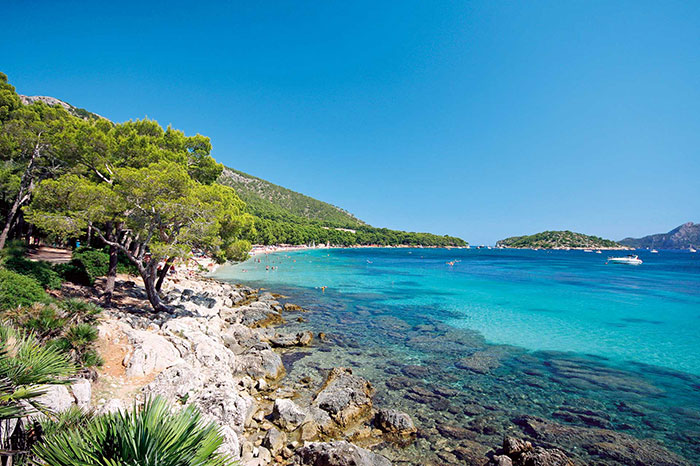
x=542 y=332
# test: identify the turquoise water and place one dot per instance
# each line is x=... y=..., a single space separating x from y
x=539 y=300
x=555 y=334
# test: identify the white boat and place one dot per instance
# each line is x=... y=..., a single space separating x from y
x=692 y=249
x=599 y=251
x=588 y=250
x=654 y=251
x=630 y=259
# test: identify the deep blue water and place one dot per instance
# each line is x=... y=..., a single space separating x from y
x=556 y=328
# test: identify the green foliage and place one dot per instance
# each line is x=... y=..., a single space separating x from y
x=13 y=259
x=42 y=272
x=238 y=250
x=25 y=366
x=557 y=240
x=19 y=290
x=94 y=261
x=66 y=326
x=148 y=435
x=267 y=200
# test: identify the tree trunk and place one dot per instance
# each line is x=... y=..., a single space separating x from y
x=26 y=185
x=163 y=273
x=111 y=275
x=11 y=216
x=149 y=274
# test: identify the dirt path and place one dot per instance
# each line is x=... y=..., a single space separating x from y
x=49 y=254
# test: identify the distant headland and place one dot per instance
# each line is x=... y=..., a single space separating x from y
x=558 y=240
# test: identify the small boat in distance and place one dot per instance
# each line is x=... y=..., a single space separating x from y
x=599 y=251
x=630 y=259
x=692 y=249
x=588 y=250
x=654 y=251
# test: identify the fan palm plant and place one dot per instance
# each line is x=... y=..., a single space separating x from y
x=147 y=436
x=26 y=367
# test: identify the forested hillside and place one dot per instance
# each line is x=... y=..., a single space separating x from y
x=268 y=200
x=557 y=240
x=283 y=216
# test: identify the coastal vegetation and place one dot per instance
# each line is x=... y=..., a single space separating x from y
x=558 y=240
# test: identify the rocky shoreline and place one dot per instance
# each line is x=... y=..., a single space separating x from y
x=226 y=349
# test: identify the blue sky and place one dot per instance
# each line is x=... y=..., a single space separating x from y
x=477 y=119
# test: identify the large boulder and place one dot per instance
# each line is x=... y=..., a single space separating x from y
x=259 y=362
x=287 y=414
x=346 y=398
x=286 y=340
x=339 y=453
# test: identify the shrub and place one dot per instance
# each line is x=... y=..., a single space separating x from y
x=74 y=272
x=94 y=261
x=19 y=290
x=151 y=434
x=40 y=271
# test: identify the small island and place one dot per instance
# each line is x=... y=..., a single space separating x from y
x=558 y=240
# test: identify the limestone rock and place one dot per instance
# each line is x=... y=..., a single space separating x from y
x=347 y=398
x=152 y=353
x=394 y=422
x=339 y=453
x=82 y=392
x=287 y=415
x=274 y=440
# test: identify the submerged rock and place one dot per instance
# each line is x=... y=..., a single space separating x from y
x=339 y=453
x=483 y=362
x=394 y=422
x=607 y=445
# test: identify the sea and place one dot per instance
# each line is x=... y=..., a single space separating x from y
x=561 y=335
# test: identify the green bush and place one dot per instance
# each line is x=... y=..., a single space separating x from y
x=40 y=271
x=95 y=262
x=74 y=272
x=13 y=248
x=19 y=290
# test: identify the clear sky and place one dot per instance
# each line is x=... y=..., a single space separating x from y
x=477 y=119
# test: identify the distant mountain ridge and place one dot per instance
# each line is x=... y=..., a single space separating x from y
x=558 y=240
x=682 y=237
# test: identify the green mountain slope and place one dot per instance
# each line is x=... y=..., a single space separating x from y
x=284 y=216
x=268 y=200
x=558 y=240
